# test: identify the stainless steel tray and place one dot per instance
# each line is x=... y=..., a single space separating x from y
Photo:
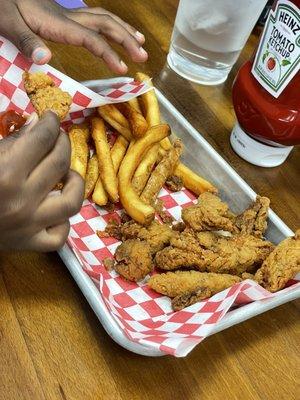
x=201 y=157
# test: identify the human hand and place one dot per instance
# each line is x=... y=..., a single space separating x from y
x=27 y=22
x=32 y=161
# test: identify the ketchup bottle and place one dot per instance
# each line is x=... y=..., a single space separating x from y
x=266 y=91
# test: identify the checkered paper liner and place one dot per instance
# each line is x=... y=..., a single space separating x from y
x=143 y=315
x=84 y=100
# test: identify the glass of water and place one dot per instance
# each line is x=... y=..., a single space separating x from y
x=209 y=35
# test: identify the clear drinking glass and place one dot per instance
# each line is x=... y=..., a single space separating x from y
x=209 y=35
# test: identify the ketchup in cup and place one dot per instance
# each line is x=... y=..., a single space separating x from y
x=266 y=91
x=10 y=121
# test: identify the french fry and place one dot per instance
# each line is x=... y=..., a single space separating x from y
x=118 y=151
x=137 y=209
x=79 y=135
x=192 y=181
x=135 y=104
x=116 y=119
x=161 y=173
x=99 y=195
x=137 y=122
x=106 y=168
x=149 y=102
x=144 y=170
x=91 y=177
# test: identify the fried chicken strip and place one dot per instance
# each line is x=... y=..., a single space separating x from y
x=179 y=283
x=156 y=235
x=234 y=255
x=254 y=219
x=281 y=265
x=209 y=214
x=134 y=260
x=44 y=95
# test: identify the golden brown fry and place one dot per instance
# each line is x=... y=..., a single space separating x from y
x=135 y=104
x=118 y=151
x=106 y=168
x=137 y=209
x=99 y=195
x=79 y=135
x=144 y=170
x=149 y=102
x=137 y=122
x=116 y=119
x=91 y=176
x=192 y=181
x=162 y=171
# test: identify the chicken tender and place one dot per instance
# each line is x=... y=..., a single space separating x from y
x=156 y=235
x=253 y=221
x=281 y=265
x=189 y=298
x=238 y=254
x=209 y=214
x=207 y=239
x=45 y=96
x=133 y=259
x=234 y=255
x=178 y=283
x=171 y=258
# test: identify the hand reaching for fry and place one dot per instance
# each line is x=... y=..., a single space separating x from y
x=27 y=22
x=32 y=162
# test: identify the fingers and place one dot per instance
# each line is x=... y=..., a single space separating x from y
x=101 y=11
x=70 y=32
x=30 y=44
x=113 y=30
x=50 y=239
x=36 y=141
x=52 y=169
x=55 y=209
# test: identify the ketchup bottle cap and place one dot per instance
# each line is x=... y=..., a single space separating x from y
x=255 y=152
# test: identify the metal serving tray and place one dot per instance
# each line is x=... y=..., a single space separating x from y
x=201 y=157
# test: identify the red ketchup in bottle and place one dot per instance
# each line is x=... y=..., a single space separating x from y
x=266 y=91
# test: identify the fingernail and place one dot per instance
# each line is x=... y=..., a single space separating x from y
x=123 y=65
x=139 y=35
x=39 y=54
x=32 y=118
x=143 y=51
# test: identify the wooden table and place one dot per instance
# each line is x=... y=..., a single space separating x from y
x=52 y=345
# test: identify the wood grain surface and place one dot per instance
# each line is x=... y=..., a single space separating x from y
x=52 y=347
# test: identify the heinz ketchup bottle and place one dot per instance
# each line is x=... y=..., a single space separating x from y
x=266 y=91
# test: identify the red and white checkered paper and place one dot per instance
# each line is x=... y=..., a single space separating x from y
x=143 y=315
x=84 y=100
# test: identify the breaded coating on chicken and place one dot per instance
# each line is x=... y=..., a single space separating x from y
x=207 y=239
x=253 y=221
x=45 y=96
x=237 y=254
x=36 y=81
x=178 y=283
x=209 y=214
x=234 y=255
x=156 y=235
x=281 y=265
x=134 y=260
x=189 y=298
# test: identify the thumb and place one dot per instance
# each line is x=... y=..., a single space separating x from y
x=30 y=44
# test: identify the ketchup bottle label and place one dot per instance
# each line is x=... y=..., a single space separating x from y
x=278 y=56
